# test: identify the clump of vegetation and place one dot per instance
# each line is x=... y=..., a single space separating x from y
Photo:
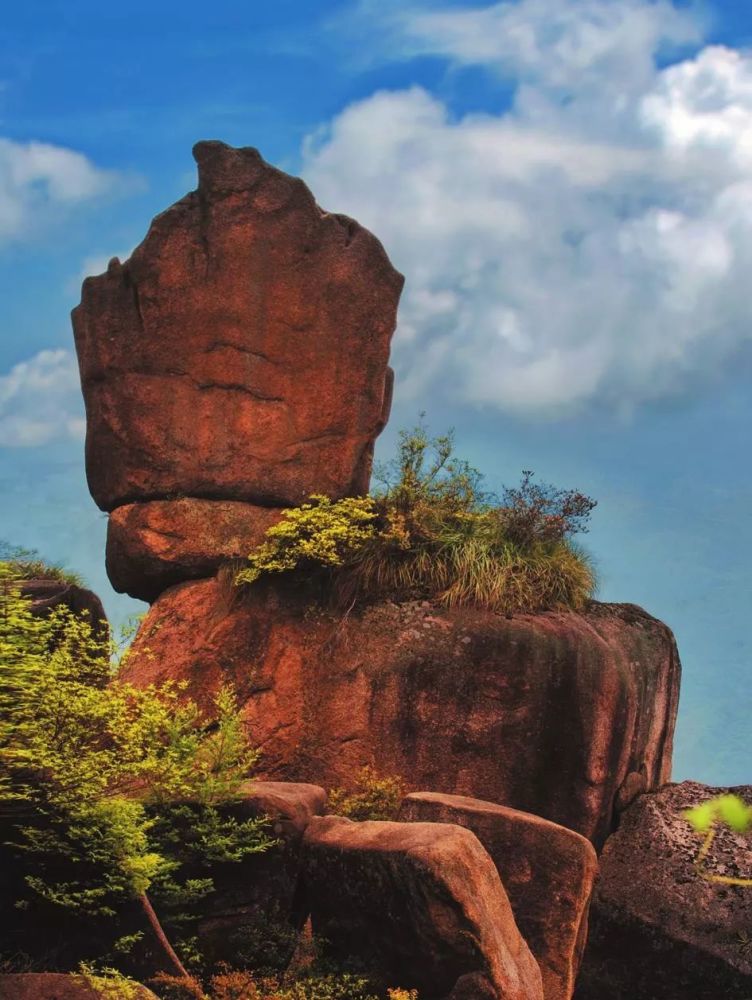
x=374 y=796
x=27 y=564
x=432 y=532
x=239 y=984
x=320 y=533
x=101 y=775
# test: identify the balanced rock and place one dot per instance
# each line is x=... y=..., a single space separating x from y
x=153 y=545
x=241 y=352
x=546 y=713
x=547 y=871
x=658 y=928
x=421 y=904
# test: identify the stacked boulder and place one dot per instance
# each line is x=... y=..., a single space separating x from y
x=236 y=363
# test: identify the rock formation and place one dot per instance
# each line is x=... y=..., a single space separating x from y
x=659 y=930
x=422 y=904
x=547 y=871
x=241 y=352
x=547 y=713
x=48 y=594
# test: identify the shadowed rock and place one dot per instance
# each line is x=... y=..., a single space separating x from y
x=241 y=352
x=547 y=871
x=421 y=904
x=657 y=928
x=545 y=713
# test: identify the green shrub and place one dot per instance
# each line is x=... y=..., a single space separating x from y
x=27 y=564
x=432 y=532
x=99 y=772
x=373 y=796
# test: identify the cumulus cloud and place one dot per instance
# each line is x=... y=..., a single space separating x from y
x=40 y=401
x=39 y=180
x=588 y=245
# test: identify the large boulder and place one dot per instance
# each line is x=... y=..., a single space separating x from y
x=421 y=905
x=151 y=546
x=550 y=713
x=241 y=352
x=547 y=871
x=657 y=928
x=58 y=986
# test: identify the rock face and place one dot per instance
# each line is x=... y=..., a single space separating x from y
x=422 y=903
x=547 y=871
x=255 y=908
x=153 y=545
x=659 y=930
x=241 y=352
x=56 y=986
x=549 y=713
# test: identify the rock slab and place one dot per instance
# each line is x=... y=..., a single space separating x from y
x=152 y=546
x=421 y=903
x=547 y=871
x=659 y=930
x=241 y=352
x=548 y=713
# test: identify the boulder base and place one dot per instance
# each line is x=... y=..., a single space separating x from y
x=545 y=713
x=419 y=903
x=56 y=986
x=547 y=871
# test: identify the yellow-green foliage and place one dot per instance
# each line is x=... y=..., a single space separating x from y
x=725 y=809
x=241 y=984
x=90 y=756
x=433 y=533
x=110 y=984
x=374 y=796
x=322 y=532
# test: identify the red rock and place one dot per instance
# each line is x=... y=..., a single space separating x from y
x=421 y=903
x=241 y=352
x=547 y=871
x=152 y=546
x=545 y=713
x=658 y=929
x=55 y=986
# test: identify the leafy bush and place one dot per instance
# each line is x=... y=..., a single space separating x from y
x=95 y=766
x=432 y=532
x=238 y=984
x=27 y=564
x=319 y=533
x=373 y=797
x=726 y=809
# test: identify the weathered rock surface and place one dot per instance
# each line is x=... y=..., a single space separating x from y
x=422 y=903
x=241 y=352
x=545 y=713
x=255 y=906
x=151 y=546
x=547 y=871
x=658 y=929
x=55 y=986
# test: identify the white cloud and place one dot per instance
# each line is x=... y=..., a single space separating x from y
x=39 y=181
x=40 y=401
x=592 y=243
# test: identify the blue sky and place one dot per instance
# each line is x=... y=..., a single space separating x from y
x=567 y=187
